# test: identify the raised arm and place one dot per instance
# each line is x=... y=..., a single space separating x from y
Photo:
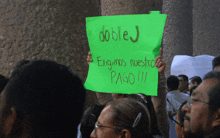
x=103 y=98
x=88 y=59
x=159 y=101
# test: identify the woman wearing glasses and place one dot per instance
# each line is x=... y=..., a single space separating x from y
x=159 y=102
x=125 y=118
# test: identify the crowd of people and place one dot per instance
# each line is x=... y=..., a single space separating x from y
x=172 y=108
x=44 y=99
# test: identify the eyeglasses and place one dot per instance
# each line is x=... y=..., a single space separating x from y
x=96 y=126
x=189 y=102
x=175 y=121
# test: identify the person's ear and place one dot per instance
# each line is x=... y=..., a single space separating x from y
x=216 y=121
x=125 y=134
x=10 y=121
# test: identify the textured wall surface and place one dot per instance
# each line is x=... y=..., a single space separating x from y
x=122 y=7
x=45 y=29
x=177 y=38
x=206 y=27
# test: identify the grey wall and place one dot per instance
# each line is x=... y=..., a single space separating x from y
x=177 y=38
x=206 y=27
x=45 y=29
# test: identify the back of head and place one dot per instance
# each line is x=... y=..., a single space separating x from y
x=192 y=89
x=172 y=82
x=21 y=63
x=214 y=92
x=131 y=115
x=196 y=79
x=89 y=119
x=216 y=62
x=50 y=97
x=185 y=78
x=3 y=82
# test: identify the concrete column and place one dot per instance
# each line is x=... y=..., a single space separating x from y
x=45 y=29
x=206 y=27
x=177 y=38
x=123 y=7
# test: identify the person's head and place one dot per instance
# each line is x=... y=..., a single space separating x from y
x=192 y=89
x=126 y=118
x=180 y=118
x=3 y=82
x=194 y=81
x=41 y=99
x=216 y=63
x=21 y=63
x=203 y=108
x=183 y=83
x=89 y=119
x=172 y=83
x=139 y=97
x=118 y=96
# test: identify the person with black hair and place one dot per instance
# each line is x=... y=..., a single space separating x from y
x=3 y=82
x=89 y=119
x=216 y=63
x=174 y=99
x=42 y=99
x=159 y=102
x=194 y=81
x=183 y=83
x=192 y=89
x=22 y=63
x=202 y=118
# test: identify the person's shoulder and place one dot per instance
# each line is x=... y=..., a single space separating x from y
x=187 y=92
x=186 y=96
x=169 y=95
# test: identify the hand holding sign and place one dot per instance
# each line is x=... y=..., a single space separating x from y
x=88 y=59
x=123 y=50
x=160 y=63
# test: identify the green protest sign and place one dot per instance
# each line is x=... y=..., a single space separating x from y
x=123 y=49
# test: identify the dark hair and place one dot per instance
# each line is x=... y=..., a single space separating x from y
x=125 y=95
x=181 y=113
x=89 y=118
x=124 y=113
x=3 y=82
x=216 y=61
x=49 y=95
x=214 y=92
x=2 y=77
x=21 y=63
x=185 y=78
x=196 y=79
x=172 y=82
x=192 y=89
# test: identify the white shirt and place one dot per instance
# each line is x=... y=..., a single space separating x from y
x=176 y=98
x=187 y=92
x=79 y=135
